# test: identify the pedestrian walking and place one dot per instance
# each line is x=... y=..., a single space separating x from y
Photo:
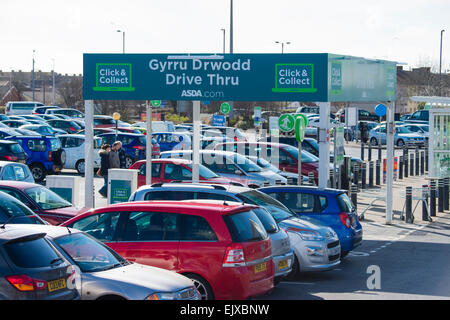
x=122 y=155
x=114 y=159
x=104 y=166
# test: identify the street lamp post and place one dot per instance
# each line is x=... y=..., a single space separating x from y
x=282 y=45
x=123 y=40
x=231 y=26
x=32 y=78
x=440 y=66
x=223 y=30
x=53 y=82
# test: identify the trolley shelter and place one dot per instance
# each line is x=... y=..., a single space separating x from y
x=321 y=78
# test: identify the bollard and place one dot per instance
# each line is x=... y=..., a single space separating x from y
x=405 y=159
x=370 y=174
x=433 y=198
x=425 y=214
x=417 y=162
x=370 y=152
x=362 y=151
x=440 y=195
x=422 y=162
x=408 y=206
x=446 y=189
x=311 y=178
x=356 y=175
x=363 y=176
x=400 y=169
x=426 y=156
x=377 y=173
x=411 y=164
x=379 y=150
x=354 y=195
x=332 y=179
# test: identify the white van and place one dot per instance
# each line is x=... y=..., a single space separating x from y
x=21 y=107
x=157 y=126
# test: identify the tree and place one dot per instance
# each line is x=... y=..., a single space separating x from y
x=71 y=91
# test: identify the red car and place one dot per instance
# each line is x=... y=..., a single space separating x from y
x=223 y=248
x=44 y=202
x=168 y=170
x=287 y=155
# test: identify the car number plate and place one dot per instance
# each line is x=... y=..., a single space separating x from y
x=22 y=161
x=56 y=285
x=260 y=267
x=283 y=264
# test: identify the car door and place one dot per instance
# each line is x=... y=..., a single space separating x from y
x=150 y=238
x=156 y=173
x=175 y=172
x=68 y=144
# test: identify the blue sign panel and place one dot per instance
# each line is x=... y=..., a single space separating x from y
x=228 y=77
x=218 y=120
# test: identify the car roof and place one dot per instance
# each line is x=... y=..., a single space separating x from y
x=168 y=160
x=8 y=141
x=17 y=184
x=274 y=144
x=194 y=186
x=122 y=134
x=14 y=231
x=304 y=188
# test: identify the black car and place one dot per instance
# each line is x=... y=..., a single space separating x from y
x=363 y=115
x=43 y=109
x=69 y=126
x=12 y=151
x=12 y=211
x=15 y=123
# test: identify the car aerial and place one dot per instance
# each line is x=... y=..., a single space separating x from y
x=229 y=132
x=73 y=145
x=15 y=171
x=419 y=128
x=44 y=130
x=43 y=109
x=172 y=140
x=45 y=155
x=316 y=247
x=70 y=112
x=15 y=123
x=41 y=200
x=168 y=170
x=68 y=126
x=133 y=144
x=331 y=207
x=230 y=165
x=403 y=136
x=176 y=235
x=105 y=275
x=12 y=151
x=31 y=268
x=284 y=155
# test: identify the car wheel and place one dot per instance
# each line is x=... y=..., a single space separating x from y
x=80 y=166
x=373 y=142
x=400 y=143
x=295 y=270
x=128 y=162
x=38 y=171
x=202 y=286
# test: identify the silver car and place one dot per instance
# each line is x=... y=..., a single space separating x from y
x=101 y=274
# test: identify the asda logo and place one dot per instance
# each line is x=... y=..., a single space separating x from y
x=191 y=93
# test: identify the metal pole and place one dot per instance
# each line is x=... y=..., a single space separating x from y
x=89 y=155
x=440 y=195
x=363 y=176
x=440 y=66
x=426 y=156
x=354 y=195
x=417 y=161
x=433 y=198
x=369 y=145
x=408 y=205
x=425 y=214
x=53 y=83
x=390 y=160
x=231 y=26
x=32 y=79
x=422 y=162
x=196 y=142
x=324 y=144
x=362 y=151
x=149 y=146
x=411 y=164
x=356 y=175
x=377 y=172
x=446 y=196
x=400 y=169
x=370 y=174
x=299 y=168
x=223 y=30
x=405 y=159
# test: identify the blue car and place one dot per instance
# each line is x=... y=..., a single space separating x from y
x=331 y=207
x=169 y=141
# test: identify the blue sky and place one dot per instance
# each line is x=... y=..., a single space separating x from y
x=406 y=31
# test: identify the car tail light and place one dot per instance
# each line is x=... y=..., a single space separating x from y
x=25 y=283
x=11 y=158
x=49 y=156
x=139 y=147
x=234 y=256
x=345 y=219
x=236 y=138
x=72 y=129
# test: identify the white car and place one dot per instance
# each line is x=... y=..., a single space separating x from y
x=73 y=144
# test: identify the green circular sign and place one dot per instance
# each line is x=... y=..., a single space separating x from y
x=225 y=108
x=301 y=115
x=156 y=103
x=286 y=122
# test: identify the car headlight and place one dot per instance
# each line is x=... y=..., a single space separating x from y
x=162 y=296
x=186 y=294
x=310 y=235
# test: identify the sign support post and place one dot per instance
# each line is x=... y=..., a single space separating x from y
x=324 y=144
x=196 y=142
x=390 y=160
x=148 y=147
x=89 y=157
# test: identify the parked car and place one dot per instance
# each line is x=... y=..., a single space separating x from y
x=370 y=126
x=405 y=116
x=230 y=165
x=3 y=117
x=331 y=207
x=211 y=142
x=47 y=116
x=284 y=155
x=41 y=200
x=104 y=122
x=133 y=144
x=419 y=128
x=28 y=117
x=15 y=123
x=12 y=211
x=42 y=109
x=157 y=126
x=105 y=275
x=44 y=130
x=70 y=112
x=15 y=171
x=168 y=170
x=128 y=130
x=304 y=234
x=73 y=145
x=45 y=155
x=172 y=141
x=211 y=133
x=229 y=132
x=420 y=116
x=308 y=110
x=68 y=126
x=8 y=132
x=363 y=115
x=79 y=122
x=21 y=107
x=98 y=131
x=12 y=151
x=32 y=269
x=402 y=136
x=176 y=235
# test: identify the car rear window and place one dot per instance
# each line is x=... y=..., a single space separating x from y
x=267 y=220
x=15 y=148
x=345 y=204
x=35 y=253
x=245 y=227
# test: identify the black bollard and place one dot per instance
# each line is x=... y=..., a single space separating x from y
x=408 y=205
x=370 y=174
x=422 y=162
x=440 y=195
x=411 y=164
x=356 y=175
x=370 y=152
x=362 y=151
x=354 y=195
x=446 y=190
x=426 y=156
x=425 y=215
x=379 y=150
x=311 y=178
x=433 y=198
x=405 y=159
x=417 y=162
x=377 y=173
x=363 y=176
x=332 y=185
x=400 y=169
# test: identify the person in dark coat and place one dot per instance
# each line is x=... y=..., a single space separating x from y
x=104 y=166
x=122 y=155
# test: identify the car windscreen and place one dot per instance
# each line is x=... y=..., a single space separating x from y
x=267 y=220
x=275 y=208
x=306 y=156
x=47 y=199
x=245 y=227
x=245 y=164
x=89 y=254
x=204 y=172
x=402 y=130
x=14 y=211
